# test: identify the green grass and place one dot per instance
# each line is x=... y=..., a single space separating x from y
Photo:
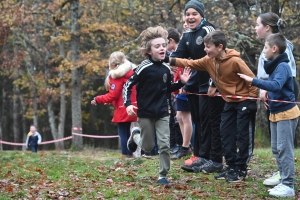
x=102 y=174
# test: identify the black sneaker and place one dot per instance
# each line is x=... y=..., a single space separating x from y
x=224 y=173
x=236 y=176
x=131 y=145
x=194 y=167
x=174 y=149
x=181 y=153
x=211 y=167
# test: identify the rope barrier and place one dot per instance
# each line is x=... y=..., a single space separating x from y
x=245 y=97
x=61 y=139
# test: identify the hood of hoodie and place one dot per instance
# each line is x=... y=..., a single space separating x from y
x=229 y=54
x=271 y=65
x=121 y=70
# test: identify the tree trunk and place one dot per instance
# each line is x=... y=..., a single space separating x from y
x=5 y=106
x=52 y=121
x=16 y=117
x=35 y=107
x=24 y=129
x=76 y=73
x=62 y=113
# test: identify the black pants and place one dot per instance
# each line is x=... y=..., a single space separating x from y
x=34 y=148
x=237 y=132
x=210 y=118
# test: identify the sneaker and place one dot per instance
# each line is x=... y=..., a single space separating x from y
x=236 y=176
x=282 y=191
x=163 y=181
x=174 y=149
x=224 y=173
x=131 y=145
x=181 y=153
x=197 y=163
x=191 y=160
x=211 y=167
x=273 y=180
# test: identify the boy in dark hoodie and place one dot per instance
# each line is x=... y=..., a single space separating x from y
x=238 y=116
x=283 y=116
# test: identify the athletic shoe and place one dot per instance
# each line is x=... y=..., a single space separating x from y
x=181 y=153
x=131 y=145
x=224 y=173
x=197 y=163
x=163 y=181
x=273 y=180
x=282 y=191
x=174 y=149
x=236 y=176
x=211 y=167
x=191 y=160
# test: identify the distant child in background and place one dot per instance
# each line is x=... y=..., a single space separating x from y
x=33 y=139
x=283 y=116
x=120 y=70
x=153 y=80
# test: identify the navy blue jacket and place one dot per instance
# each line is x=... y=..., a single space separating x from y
x=280 y=84
x=191 y=45
x=154 y=84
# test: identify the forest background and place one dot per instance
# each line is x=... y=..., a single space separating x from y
x=54 y=56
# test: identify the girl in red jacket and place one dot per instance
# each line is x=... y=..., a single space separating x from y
x=120 y=70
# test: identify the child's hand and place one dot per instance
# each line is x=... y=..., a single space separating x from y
x=245 y=77
x=94 y=102
x=174 y=69
x=186 y=75
x=130 y=110
x=211 y=91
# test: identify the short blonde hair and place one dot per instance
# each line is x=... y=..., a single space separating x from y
x=116 y=58
x=150 y=34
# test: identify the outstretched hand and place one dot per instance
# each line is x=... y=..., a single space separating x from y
x=245 y=77
x=186 y=75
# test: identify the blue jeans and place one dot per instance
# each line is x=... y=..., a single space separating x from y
x=124 y=133
x=34 y=148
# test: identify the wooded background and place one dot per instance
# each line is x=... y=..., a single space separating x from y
x=54 y=57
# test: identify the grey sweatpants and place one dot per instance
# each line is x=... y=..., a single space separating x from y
x=160 y=126
x=282 y=143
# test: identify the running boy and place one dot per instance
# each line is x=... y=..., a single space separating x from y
x=237 y=118
x=153 y=80
x=283 y=116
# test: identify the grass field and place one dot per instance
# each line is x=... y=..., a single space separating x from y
x=101 y=174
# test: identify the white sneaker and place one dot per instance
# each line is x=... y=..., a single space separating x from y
x=282 y=191
x=273 y=180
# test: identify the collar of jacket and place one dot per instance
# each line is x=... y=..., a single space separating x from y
x=271 y=65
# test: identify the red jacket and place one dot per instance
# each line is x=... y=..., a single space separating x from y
x=117 y=78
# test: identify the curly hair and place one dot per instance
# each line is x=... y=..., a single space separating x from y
x=150 y=34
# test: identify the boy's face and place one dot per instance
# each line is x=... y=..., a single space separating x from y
x=211 y=50
x=172 y=45
x=269 y=51
x=192 y=18
x=158 y=49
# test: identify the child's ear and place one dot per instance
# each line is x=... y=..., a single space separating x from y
x=274 y=49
